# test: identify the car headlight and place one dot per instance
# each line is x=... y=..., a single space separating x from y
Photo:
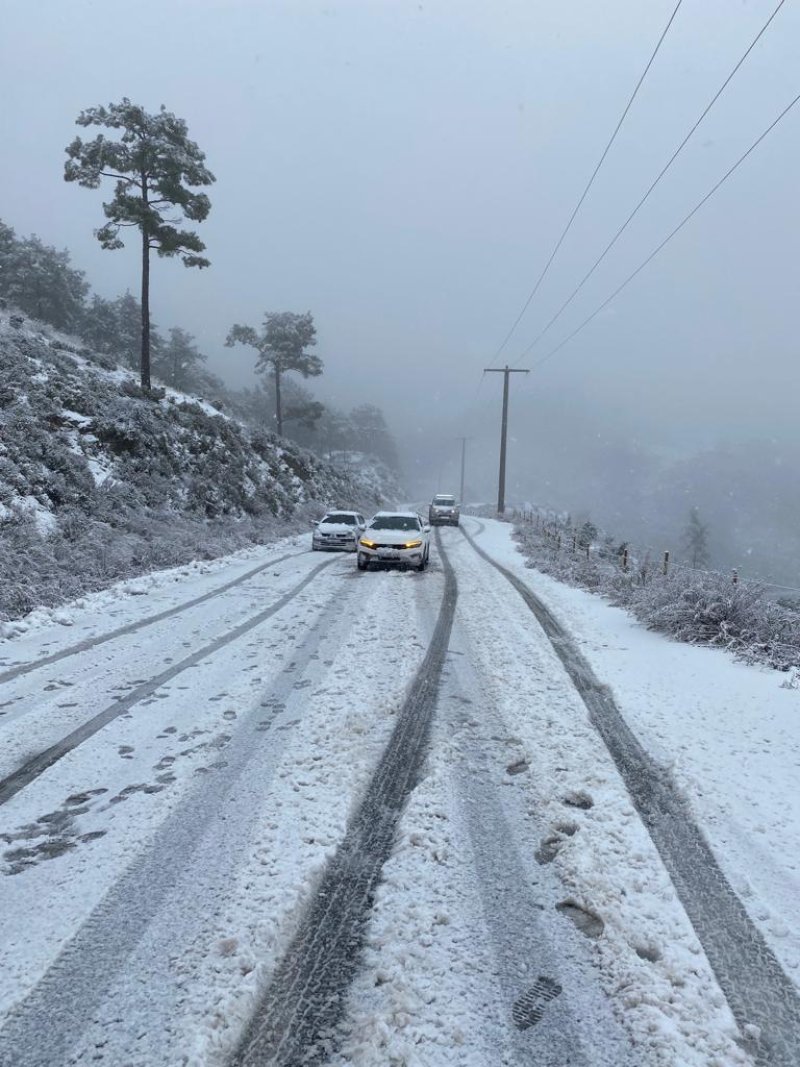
x=413 y=544
x=365 y=541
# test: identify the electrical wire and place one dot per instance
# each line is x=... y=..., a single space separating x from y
x=668 y=238
x=589 y=184
x=646 y=196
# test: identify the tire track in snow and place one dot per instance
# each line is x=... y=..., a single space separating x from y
x=296 y=1018
x=533 y=967
x=37 y=765
x=133 y=627
x=764 y=1001
x=187 y=868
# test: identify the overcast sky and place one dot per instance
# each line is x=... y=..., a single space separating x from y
x=403 y=169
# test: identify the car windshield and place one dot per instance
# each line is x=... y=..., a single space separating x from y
x=341 y=518
x=394 y=522
x=444 y=501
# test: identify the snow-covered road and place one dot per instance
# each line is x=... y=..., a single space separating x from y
x=274 y=810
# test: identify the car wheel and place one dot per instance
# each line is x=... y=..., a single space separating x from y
x=363 y=562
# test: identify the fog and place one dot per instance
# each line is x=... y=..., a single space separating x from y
x=403 y=170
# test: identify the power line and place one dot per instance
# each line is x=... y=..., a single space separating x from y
x=589 y=184
x=669 y=236
x=646 y=196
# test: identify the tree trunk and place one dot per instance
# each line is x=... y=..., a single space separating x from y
x=278 y=412
x=145 y=297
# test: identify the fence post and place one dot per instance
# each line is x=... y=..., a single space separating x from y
x=588 y=547
x=624 y=559
x=666 y=563
x=735 y=576
x=574 y=543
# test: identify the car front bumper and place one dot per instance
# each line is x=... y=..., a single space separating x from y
x=334 y=543
x=392 y=555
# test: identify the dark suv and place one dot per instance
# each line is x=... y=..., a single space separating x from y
x=443 y=510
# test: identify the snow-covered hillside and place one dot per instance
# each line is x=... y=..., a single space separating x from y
x=99 y=482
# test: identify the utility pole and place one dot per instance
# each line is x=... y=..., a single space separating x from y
x=501 y=489
x=463 y=441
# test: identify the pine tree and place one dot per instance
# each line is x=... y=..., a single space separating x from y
x=281 y=347
x=39 y=280
x=114 y=326
x=587 y=534
x=695 y=540
x=99 y=325
x=372 y=434
x=128 y=337
x=178 y=359
x=155 y=167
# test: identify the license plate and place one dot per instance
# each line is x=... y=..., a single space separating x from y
x=388 y=553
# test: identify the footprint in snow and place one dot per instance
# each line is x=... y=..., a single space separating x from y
x=530 y=1007
x=578 y=798
x=589 y=924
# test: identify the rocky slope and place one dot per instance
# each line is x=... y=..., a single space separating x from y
x=99 y=482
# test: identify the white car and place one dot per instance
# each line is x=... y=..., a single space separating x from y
x=337 y=530
x=395 y=538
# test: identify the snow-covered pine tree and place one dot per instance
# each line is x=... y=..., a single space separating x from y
x=178 y=359
x=155 y=167
x=372 y=434
x=281 y=347
x=39 y=280
x=695 y=540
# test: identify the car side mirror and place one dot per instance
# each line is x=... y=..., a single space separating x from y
x=313 y=522
x=427 y=527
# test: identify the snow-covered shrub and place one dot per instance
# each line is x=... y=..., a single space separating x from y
x=698 y=607
x=99 y=481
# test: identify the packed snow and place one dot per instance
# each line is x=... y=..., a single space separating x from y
x=153 y=877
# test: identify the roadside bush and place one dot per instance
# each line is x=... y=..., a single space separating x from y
x=697 y=607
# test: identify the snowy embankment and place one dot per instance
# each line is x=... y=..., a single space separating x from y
x=699 y=607
x=99 y=482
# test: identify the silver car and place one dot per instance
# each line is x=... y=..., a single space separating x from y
x=337 y=530
x=443 y=510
